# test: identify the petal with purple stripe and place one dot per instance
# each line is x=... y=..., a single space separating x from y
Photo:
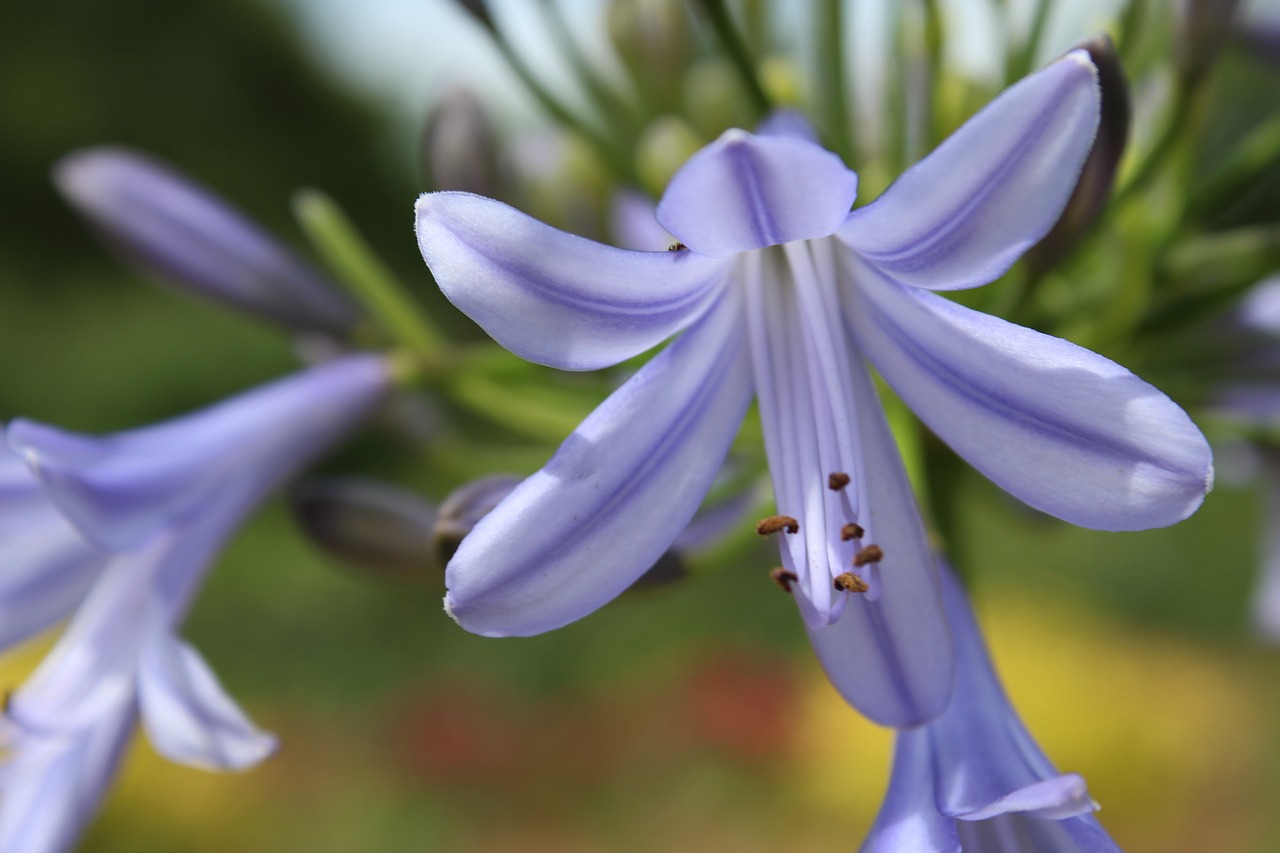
x=1064 y=429
x=961 y=216
x=554 y=298
x=617 y=493
x=746 y=192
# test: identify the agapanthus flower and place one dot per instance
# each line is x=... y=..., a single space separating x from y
x=150 y=509
x=780 y=292
x=974 y=780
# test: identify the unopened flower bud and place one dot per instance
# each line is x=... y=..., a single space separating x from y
x=183 y=234
x=463 y=509
x=459 y=148
x=1097 y=176
x=378 y=528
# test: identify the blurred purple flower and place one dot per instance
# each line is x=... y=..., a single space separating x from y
x=781 y=292
x=974 y=780
x=151 y=508
x=182 y=233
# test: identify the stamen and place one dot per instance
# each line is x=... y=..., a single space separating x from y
x=851 y=531
x=837 y=481
x=777 y=523
x=869 y=554
x=849 y=582
x=677 y=247
x=783 y=578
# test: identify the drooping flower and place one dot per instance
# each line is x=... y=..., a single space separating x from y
x=185 y=235
x=152 y=507
x=780 y=292
x=974 y=780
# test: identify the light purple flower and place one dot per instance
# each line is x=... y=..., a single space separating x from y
x=153 y=507
x=781 y=293
x=974 y=780
x=186 y=235
x=48 y=566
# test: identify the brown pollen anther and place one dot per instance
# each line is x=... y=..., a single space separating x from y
x=783 y=578
x=851 y=531
x=869 y=554
x=677 y=247
x=837 y=481
x=776 y=524
x=849 y=582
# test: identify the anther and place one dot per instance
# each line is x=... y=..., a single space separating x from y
x=677 y=247
x=837 y=481
x=783 y=578
x=849 y=582
x=869 y=554
x=851 y=531
x=776 y=524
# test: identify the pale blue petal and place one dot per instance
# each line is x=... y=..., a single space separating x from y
x=120 y=489
x=746 y=192
x=986 y=761
x=551 y=297
x=51 y=786
x=188 y=716
x=891 y=657
x=620 y=489
x=1067 y=431
x=48 y=567
x=908 y=821
x=963 y=215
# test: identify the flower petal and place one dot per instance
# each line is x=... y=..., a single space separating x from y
x=52 y=785
x=1065 y=430
x=986 y=761
x=120 y=489
x=891 y=658
x=746 y=192
x=908 y=820
x=963 y=215
x=189 y=717
x=619 y=490
x=551 y=297
x=48 y=566
x=1019 y=833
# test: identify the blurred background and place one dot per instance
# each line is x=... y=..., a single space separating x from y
x=692 y=717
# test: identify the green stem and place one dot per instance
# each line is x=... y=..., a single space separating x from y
x=356 y=265
x=614 y=156
x=606 y=99
x=1175 y=129
x=833 y=103
x=1130 y=22
x=1019 y=64
x=731 y=40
